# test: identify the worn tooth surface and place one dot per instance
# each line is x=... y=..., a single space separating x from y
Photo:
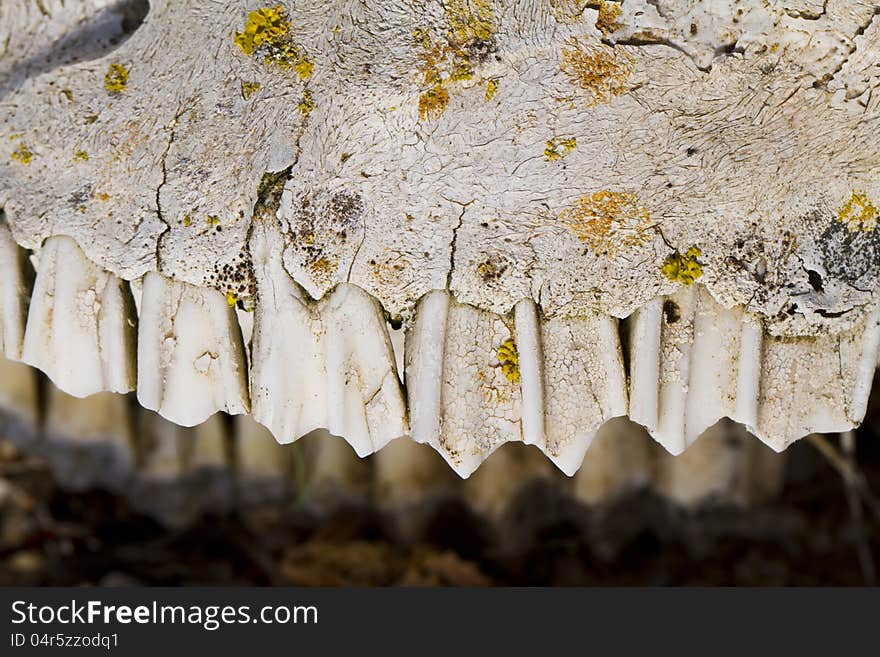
x=191 y=360
x=13 y=294
x=584 y=384
x=475 y=382
x=725 y=465
x=816 y=385
x=89 y=441
x=464 y=401
x=365 y=402
x=345 y=372
x=80 y=327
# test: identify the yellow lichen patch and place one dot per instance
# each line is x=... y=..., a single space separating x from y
x=304 y=68
x=609 y=12
x=433 y=103
x=306 y=105
x=212 y=220
x=491 y=89
x=116 y=78
x=187 y=220
x=248 y=89
x=859 y=213
x=454 y=57
x=231 y=297
x=609 y=222
x=22 y=155
x=81 y=156
x=558 y=147
x=600 y=70
x=267 y=33
x=683 y=268
x=508 y=358
x=323 y=269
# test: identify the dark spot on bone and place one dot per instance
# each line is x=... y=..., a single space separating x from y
x=671 y=312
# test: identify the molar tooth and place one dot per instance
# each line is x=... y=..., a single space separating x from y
x=816 y=384
x=463 y=403
x=692 y=363
x=89 y=441
x=13 y=295
x=80 y=328
x=191 y=361
x=364 y=400
x=585 y=385
x=346 y=377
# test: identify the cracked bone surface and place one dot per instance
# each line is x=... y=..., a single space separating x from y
x=569 y=212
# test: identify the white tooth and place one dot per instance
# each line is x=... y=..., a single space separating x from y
x=816 y=385
x=80 y=328
x=425 y=349
x=585 y=384
x=531 y=370
x=13 y=295
x=493 y=488
x=620 y=458
x=89 y=441
x=463 y=404
x=288 y=379
x=726 y=465
x=327 y=364
x=692 y=363
x=364 y=400
x=191 y=360
x=19 y=407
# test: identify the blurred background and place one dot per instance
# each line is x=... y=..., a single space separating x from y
x=102 y=492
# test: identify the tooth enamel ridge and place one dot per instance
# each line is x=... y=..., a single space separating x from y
x=80 y=326
x=190 y=355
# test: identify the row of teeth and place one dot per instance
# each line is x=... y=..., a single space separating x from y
x=176 y=474
x=335 y=363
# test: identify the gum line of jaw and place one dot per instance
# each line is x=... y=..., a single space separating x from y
x=474 y=380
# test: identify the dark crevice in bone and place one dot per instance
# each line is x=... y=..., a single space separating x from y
x=97 y=36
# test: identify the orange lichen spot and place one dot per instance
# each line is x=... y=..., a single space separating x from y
x=22 y=154
x=433 y=103
x=508 y=358
x=102 y=196
x=609 y=222
x=609 y=12
x=600 y=70
x=306 y=105
x=558 y=147
x=491 y=89
x=248 y=89
x=683 y=268
x=212 y=220
x=568 y=11
x=116 y=78
x=81 y=156
x=267 y=33
x=859 y=213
